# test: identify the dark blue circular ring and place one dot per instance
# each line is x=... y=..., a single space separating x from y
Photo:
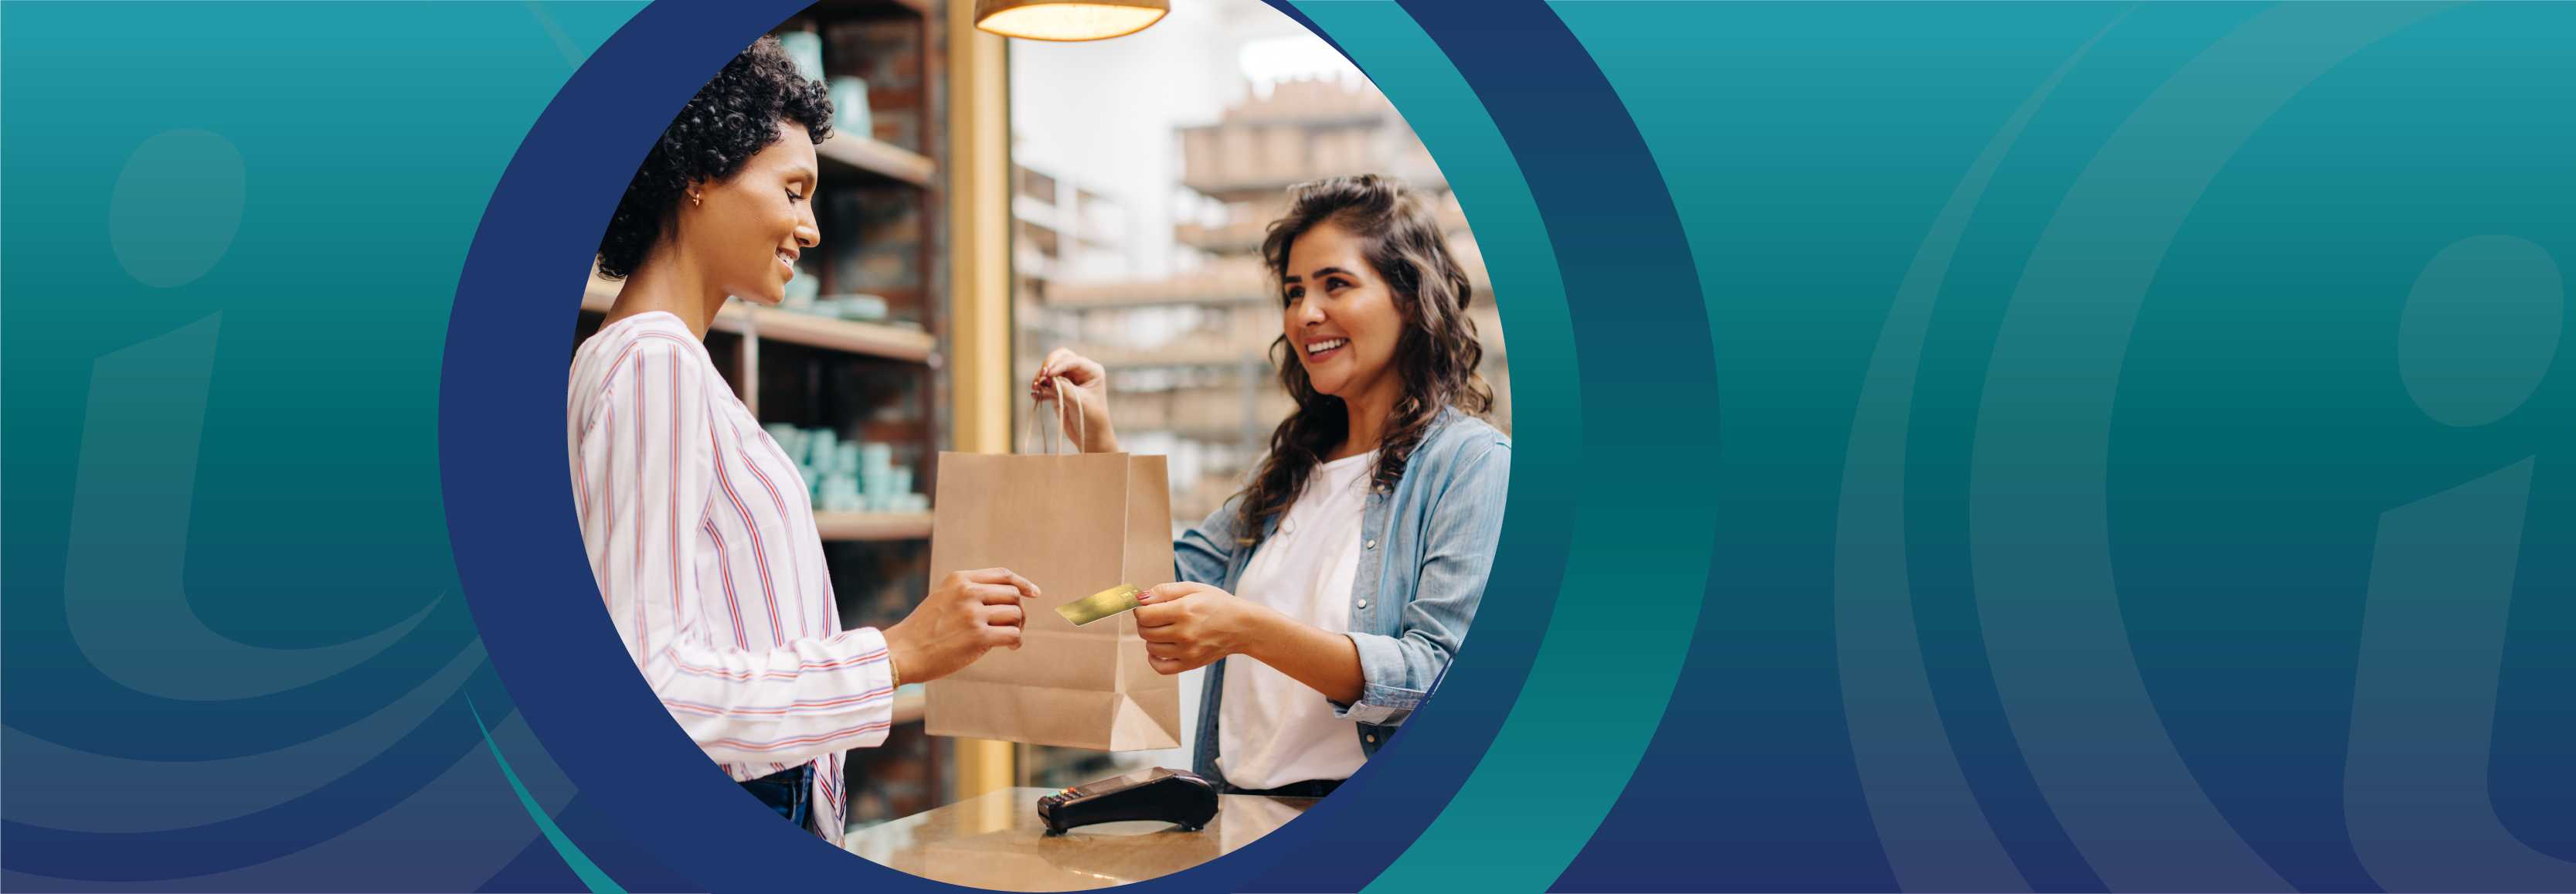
x=518 y=549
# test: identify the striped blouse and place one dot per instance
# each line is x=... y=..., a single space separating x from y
x=700 y=532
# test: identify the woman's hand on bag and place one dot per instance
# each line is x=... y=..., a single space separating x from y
x=1089 y=399
x=968 y=614
x=1187 y=625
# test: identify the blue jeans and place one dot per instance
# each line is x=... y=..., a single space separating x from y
x=785 y=791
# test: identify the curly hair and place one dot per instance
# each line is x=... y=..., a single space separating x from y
x=1435 y=357
x=737 y=114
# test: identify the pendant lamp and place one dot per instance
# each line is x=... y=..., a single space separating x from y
x=1057 y=20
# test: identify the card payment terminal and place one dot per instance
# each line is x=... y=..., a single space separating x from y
x=1172 y=796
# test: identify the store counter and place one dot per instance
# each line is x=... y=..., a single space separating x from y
x=995 y=841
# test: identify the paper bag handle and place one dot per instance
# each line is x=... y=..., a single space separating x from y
x=1063 y=390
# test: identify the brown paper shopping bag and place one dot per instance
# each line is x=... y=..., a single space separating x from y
x=1073 y=525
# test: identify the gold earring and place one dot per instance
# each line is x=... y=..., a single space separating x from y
x=693 y=201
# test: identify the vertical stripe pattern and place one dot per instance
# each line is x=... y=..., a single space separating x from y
x=703 y=540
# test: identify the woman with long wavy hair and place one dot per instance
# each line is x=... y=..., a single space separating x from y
x=1328 y=596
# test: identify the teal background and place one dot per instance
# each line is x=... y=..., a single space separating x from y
x=2064 y=474
x=2255 y=430
x=365 y=138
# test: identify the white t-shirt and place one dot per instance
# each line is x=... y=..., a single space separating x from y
x=1273 y=730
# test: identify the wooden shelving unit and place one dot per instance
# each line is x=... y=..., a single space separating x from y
x=864 y=174
x=871 y=339
x=887 y=208
x=846 y=336
x=884 y=208
x=909 y=704
x=873 y=525
x=869 y=155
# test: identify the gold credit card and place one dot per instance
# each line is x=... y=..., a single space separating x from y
x=1101 y=605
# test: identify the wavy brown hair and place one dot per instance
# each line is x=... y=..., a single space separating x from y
x=1435 y=357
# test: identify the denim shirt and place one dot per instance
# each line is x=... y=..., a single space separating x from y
x=1427 y=545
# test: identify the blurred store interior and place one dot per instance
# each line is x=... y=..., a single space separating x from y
x=1145 y=171
x=987 y=200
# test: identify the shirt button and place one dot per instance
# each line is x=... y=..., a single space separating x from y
x=1371 y=739
x=1363 y=603
x=1371 y=544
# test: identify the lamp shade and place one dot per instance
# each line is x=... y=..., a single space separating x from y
x=1055 y=20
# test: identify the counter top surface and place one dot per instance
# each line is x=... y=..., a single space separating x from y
x=995 y=841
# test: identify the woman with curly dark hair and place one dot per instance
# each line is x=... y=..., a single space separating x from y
x=697 y=525
x=1327 y=597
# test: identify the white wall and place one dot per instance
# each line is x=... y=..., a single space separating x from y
x=1101 y=113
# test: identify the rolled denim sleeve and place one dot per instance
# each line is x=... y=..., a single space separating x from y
x=1205 y=553
x=1457 y=552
